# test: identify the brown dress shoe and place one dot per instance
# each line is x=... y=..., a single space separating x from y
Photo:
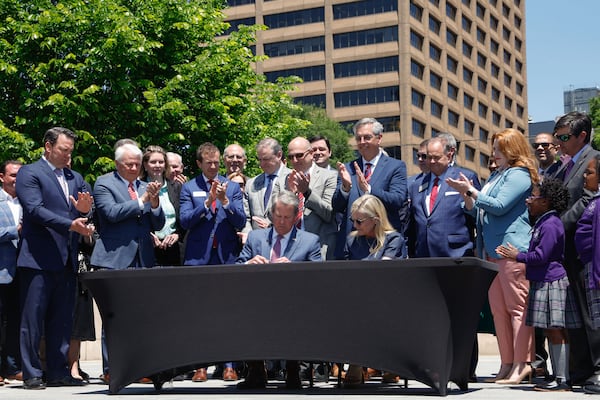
x=388 y=377
x=335 y=370
x=105 y=378
x=145 y=380
x=16 y=377
x=372 y=372
x=200 y=375
x=229 y=374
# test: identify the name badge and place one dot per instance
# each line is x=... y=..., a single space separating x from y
x=199 y=193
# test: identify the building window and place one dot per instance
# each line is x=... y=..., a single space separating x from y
x=435 y=81
x=416 y=69
x=494 y=46
x=506 y=34
x=451 y=37
x=416 y=40
x=495 y=94
x=493 y=23
x=435 y=52
x=452 y=91
x=451 y=64
x=480 y=11
x=481 y=85
x=390 y=124
x=436 y=109
x=418 y=99
x=518 y=22
x=469 y=153
x=366 y=67
x=508 y=103
x=507 y=79
x=484 y=160
x=233 y=3
x=467 y=75
x=483 y=136
x=416 y=11
x=481 y=35
x=507 y=57
x=495 y=71
x=483 y=110
x=467 y=3
x=518 y=44
x=450 y=11
x=453 y=118
x=235 y=24
x=370 y=36
x=434 y=25
x=468 y=101
x=481 y=60
x=519 y=88
x=466 y=24
x=496 y=118
x=366 y=96
x=435 y=2
x=467 y=49
x=292 y=47
x=366 y=7
x=293 y=18
x=418 y=128
x=308 y=74
x=520 y=111
x=508 y=123
x=317 y=100
x=506 y=11
x=519 y=66
x=469 y=127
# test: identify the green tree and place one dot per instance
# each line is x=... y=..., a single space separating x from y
x=151 y=70
x=595 y=116
x=321 y=124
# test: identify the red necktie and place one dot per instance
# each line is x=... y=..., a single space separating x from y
x=434 y=193
x=368 y=171
x=276 y=251
x=132 y=192
x=300 y=210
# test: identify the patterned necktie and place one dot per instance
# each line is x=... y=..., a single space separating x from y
x=568 y=169
x=300 y=210
x=434 y=193
x=269 y=188
x=132 y=192
x=368 y=171
x=63 y=183
x=276 y=251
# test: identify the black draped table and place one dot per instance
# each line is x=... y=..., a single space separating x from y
x=416 y=318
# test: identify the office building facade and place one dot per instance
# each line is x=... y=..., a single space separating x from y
x=418 y=66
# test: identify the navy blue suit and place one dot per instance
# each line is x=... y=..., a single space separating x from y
x=447 y=230
x=47 y=263
x=206 y=229
x=301 y=246
x=388 y=183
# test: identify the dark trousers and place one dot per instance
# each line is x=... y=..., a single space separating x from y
x=10 y=320
x=47 y=301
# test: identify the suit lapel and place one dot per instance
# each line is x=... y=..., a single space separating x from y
x=289 y=249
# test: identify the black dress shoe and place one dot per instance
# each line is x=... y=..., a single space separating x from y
x=591 y=388
x=552 y=386
x=67 y=381
x=34 y=384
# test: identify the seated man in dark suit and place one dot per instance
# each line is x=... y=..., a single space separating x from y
x=283 y=242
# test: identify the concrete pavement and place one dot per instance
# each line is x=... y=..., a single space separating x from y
x=217 y=389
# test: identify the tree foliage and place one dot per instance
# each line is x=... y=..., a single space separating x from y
x=152 y=70
x=595 y=116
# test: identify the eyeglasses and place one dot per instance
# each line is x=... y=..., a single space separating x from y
x=298 y=156
x=359 y=221
x=421 y=156
x=544 y=145
x=265 y=159
x=364 y=138
x=564 y=138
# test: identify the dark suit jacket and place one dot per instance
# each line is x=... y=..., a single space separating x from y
x=302 y=246
x=388 y=183
x=124 y=229
x=203 y=226
x=46 y=242
x=447 y=231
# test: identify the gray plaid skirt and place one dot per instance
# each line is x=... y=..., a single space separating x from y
x=552 y=305
x=593 y=298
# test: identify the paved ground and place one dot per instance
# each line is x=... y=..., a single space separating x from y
x=216 y=389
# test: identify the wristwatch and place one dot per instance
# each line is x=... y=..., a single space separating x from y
x=469 y=193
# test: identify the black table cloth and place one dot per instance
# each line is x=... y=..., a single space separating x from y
x=416 y=317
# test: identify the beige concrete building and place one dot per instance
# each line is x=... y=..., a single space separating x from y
x=419 y=66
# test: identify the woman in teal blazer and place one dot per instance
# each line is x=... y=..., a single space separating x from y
x=502 y=218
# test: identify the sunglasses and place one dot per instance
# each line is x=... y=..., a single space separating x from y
x=359 y=221
x=564 y=138
x=544 y=145
x=421 y=156
x=297 y=156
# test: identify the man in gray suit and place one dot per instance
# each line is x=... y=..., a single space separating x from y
x=572 y=132
x=314 y=187
x=260 y=188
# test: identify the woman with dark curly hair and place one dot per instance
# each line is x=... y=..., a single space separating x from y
x=551 y=303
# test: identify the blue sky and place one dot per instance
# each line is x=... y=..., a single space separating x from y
x=563 y=49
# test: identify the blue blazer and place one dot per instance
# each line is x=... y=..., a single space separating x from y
x=501 y=212
x=388 y=183
x=302 y=246
x=203 y=226
x=46 y=242
x=123 y=229
x=8 y=250
x=447 y=230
